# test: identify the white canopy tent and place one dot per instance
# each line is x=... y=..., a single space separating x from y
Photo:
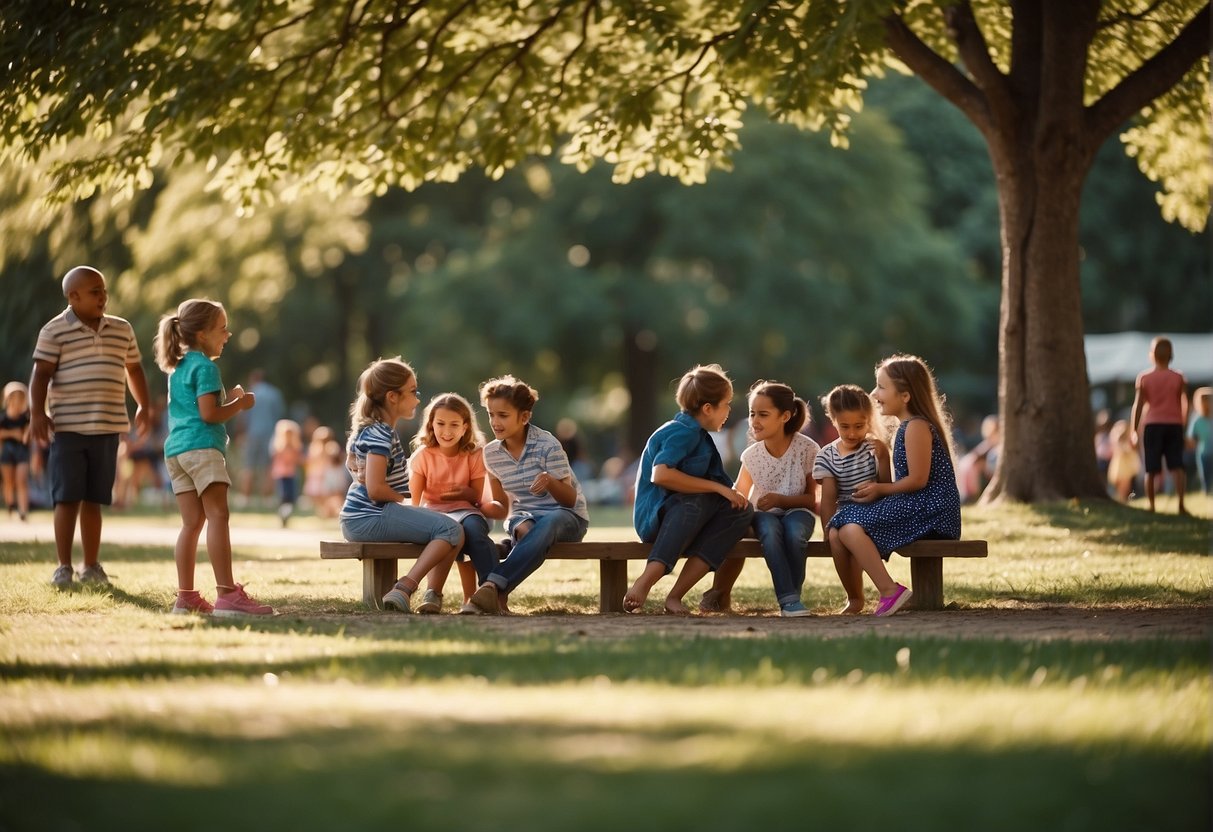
x=1120 y=356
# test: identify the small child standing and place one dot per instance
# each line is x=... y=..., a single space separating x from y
x=1200 y=434
x=859 y=454
x=1125 y=464
x=777 y=476
x=446 y=474
x=534 y=490
x=1162 y=396
x=14 y=452
x=921 y=502
x=84 y=362
x=186 y=345
x=685 y=501
x=286 y=454
x=375 y=506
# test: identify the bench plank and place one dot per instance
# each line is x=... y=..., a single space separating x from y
x=379 y=564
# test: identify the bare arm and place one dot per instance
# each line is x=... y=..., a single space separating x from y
x=416 y=486
x=376 y=481
x=562 y=490
x=41 y=425
x=1139 y=405
x=214 y=413
x=497 y=508
x=829 y=500
x=884 y=462
x=137 y=381
x=918 y=460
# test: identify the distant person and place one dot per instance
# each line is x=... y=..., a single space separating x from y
x=187 y=342
x=685 y=500
x=977 y=466
x=777 y=476
x=286 y=455
x=14 y=448
x=922 y=501
x=144 y=455
x=569 y=435
x=534 y=490
x=1103 y=442
x=447 y=474
x=255 y=478
x=1199 y=435
x=1125 y=464
x=1160 y=413
x=858 y=455
x=84 y=361
x=377 y=507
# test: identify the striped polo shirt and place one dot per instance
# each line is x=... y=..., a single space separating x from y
x=542 y=452
x=849 y=471
x=87 y=392
x=380 y=439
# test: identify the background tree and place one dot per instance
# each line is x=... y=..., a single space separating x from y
x=422 y=91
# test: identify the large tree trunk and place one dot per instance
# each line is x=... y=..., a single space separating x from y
x=640 y=376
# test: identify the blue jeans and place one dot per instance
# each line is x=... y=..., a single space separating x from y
x=700 y=525
x=559 y=526
x=1204 y=465
x=398 y=523
x=478 y=546
x=783 y=538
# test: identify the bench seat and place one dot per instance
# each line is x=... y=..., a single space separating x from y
x=379 y=564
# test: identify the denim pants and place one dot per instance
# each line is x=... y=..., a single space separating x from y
x=559 y=526
x=783 y=538
x=702 y=525
x=398 y=523
x=478 y=546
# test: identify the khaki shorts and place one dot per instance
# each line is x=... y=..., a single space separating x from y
x=197 y=470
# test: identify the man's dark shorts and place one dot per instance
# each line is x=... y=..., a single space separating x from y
x=82 y=467
x=1161 y=442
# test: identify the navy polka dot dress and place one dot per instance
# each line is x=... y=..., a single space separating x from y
x=897 y=519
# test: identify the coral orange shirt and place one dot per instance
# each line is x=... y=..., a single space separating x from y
x=1162 y=391
x=446 y=473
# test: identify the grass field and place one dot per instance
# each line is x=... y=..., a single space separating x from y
x=114 y=715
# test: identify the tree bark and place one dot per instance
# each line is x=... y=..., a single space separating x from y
x=640 y=376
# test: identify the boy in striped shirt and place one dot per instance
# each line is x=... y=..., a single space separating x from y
x=83 y=362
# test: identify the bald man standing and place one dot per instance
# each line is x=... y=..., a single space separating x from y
x=83 y=362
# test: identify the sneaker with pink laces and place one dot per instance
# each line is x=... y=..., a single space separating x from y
x=191 y=602
x=237 y=603
x=894 y=602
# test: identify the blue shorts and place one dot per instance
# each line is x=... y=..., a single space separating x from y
x=82 y=467
x=14 y=453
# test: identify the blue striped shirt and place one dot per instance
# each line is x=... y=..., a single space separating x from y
x=849 y=471
x=379 y=439
x=541 y=453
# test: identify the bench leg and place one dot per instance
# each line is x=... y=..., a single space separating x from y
x=378 y=576
x=613 y=586
x=926 y=577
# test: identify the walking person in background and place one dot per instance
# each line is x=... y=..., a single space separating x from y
x=255 y=477
x=1200 y=431
x=84 y=361
x=187 y=343
x=1160 y=413
x=286 y=455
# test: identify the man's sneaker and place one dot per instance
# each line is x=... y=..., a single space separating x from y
x=894 y=602
x=94 y=575
x=191 y=602
x=237 y=603
x=63 y=576
x=794 y=609
x=431 y=602
x=397 y=599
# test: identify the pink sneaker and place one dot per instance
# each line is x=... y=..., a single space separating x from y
x=236 y=604
x=191 y=602
x=894 y=602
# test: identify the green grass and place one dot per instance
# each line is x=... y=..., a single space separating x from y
x=329 y=716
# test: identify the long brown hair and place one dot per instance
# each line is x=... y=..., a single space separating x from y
x=910 y=374
x=472 y=436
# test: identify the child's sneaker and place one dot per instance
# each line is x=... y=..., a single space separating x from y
x=237 y=603
x=894 y=602
x=397 y=599
x=63 y=576
x=94 y=574
x=793 y=609
x=431 y=602
x=191 y=602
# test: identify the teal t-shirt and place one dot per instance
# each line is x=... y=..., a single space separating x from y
x=195 y=376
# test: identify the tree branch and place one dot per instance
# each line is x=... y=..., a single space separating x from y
x=940 y=75
x=1150 y=80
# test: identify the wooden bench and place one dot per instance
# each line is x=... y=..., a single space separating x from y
x=379 y=564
